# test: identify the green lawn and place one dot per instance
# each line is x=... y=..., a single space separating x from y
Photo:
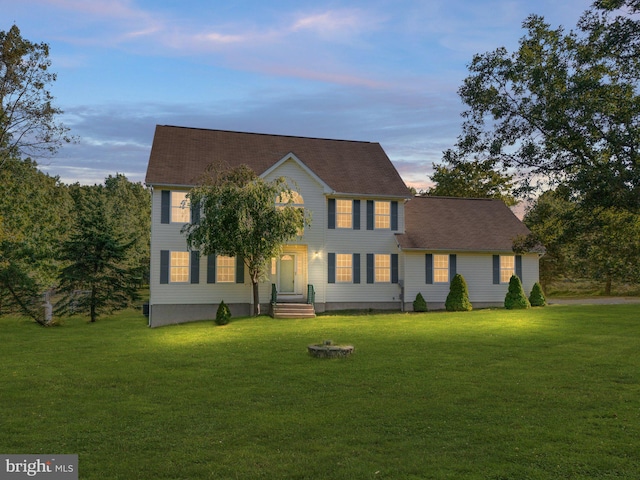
x=550 y=393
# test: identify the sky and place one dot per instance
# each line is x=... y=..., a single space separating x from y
x=384 y=71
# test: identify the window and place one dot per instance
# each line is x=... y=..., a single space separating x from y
x=180 y=209
x=226 y=269
x=179 y=267
x=507 y=268
x=344 y=213
x=382 y=213
x=293 y=199
x=344 y=267
x=441 y=268
x=382 y=268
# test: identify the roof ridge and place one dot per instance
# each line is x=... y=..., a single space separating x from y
x=270 y=134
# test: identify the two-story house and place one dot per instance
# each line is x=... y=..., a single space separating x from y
x=369 y=245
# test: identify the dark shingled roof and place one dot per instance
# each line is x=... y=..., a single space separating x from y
x=460 y=224
x=180 y=155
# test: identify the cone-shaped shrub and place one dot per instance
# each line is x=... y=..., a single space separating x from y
x=458 y=298
x=516 y=298
x=223 y=315
x=419 y=304
x=536 y=298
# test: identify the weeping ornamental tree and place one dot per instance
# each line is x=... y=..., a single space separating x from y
x=239 y=218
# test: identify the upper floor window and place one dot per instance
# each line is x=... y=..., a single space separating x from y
x=507 y=268
x=180 y=208
x=295 y=200
x=441 y=268
x=226 y=269
x=344 y=267
x=179 y=267
x=344 y=213
x=382 y=214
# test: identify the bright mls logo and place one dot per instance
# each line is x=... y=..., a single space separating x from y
x=49 y=467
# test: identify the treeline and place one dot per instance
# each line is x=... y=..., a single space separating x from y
x=83 y=248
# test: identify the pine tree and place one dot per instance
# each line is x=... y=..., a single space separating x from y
x=536 y=298
x=420 y=304
x=458 y=298
x=516 y=298
x=97 y=278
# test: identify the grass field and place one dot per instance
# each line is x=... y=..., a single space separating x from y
x=550 y=393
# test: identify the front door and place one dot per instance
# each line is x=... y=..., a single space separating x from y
x=287 y=273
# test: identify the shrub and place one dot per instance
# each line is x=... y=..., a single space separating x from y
x=458 y=298
x=223 y=315
x=516 y=298
x=419 y=304
x=536 y=298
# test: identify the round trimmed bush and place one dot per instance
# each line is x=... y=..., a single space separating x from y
x=223 y=315
x=458 y=298
x=516 y=298
x=536 y=298
x=419 y=304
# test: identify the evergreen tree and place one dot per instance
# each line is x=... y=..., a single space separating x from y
x=458 y=298
x=536 y=297
x=420 y=304
x=516 y=298
x=97 y=278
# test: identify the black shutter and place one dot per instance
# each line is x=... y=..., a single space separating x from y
x=164 y=266
x=370 y=214
x=356 y=214
x=356 y=268
x=370 y=268
x=331 y=277
x=165 y=206
x=453 y=266
x=496 y=269
x=239 y=270
x=195 y=266
x=519 y=266
x=394 y=268
x=428 y=267
x=332 y=214
x=211 y=269
x=394 y=215
x=195 y=213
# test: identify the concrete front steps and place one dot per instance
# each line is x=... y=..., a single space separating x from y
x=293 y=310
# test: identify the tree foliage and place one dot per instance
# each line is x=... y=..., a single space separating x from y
x=97 y=277
x=564 y=107
x=516 y=298
x=28 y=125
x=471 y=179
x=458 y=297
x=240 y=219
x=599 y=244
x=536 y=297
x=35 y=213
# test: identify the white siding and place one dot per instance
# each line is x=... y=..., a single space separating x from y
x=477 y=270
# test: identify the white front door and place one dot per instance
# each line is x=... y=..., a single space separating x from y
x=287 y=273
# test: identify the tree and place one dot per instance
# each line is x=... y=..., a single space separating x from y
x=516 y=298
x=97 y=277
x=240 y=219
x=458 y=297
x=129 y=206
x=36 y=212
x=473 y=179
x=536 y=297
x=27 y=115
x=563 y=107
x=599 y=244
